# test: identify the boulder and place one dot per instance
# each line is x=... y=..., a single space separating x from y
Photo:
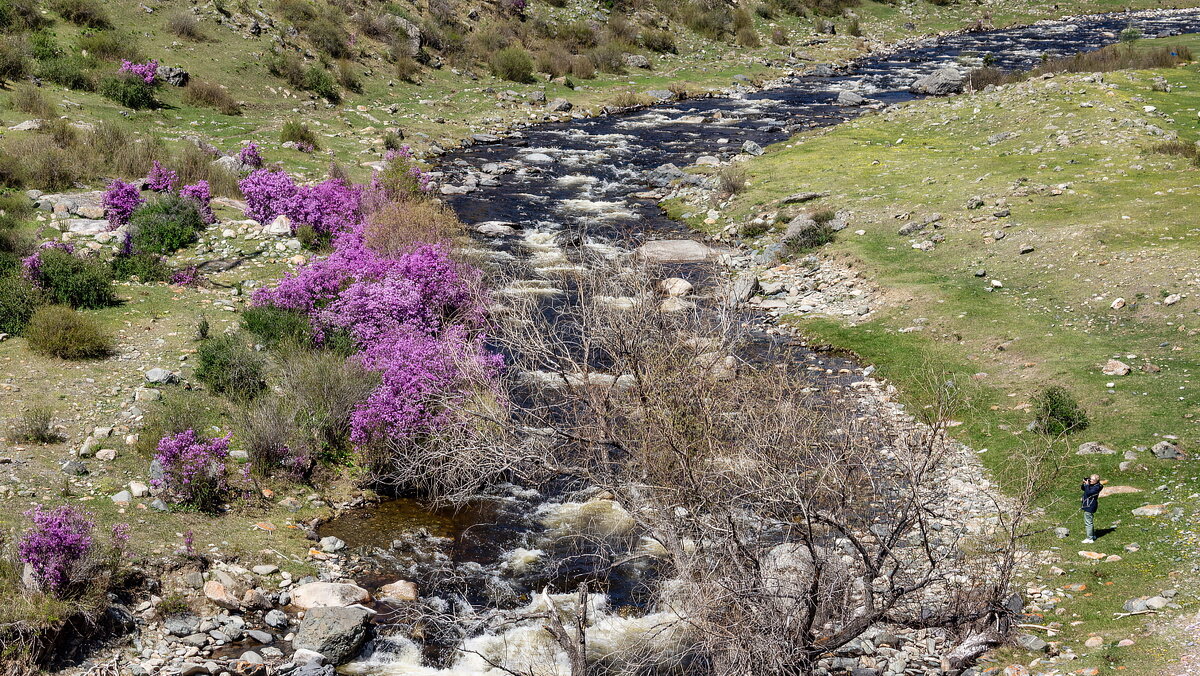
x=1094 y=448
x=160 y=376
x=172 y=75
x=942 y=82
x=635 y=61
x=849 y=98
x=1150 y=510
x=1165 y=450
x=752 y=148
x=217 y=593
x=336 y=633
x=801 y=197
x=743 y=287
x=276 y=619
x=675 y=251
x=559 y=105
x=232 y=164
x=675 y=286
x=122 y=498
x=400 y=590
x=1114 y=367
x=660 y=95
x=328 y=594
x=664 y=175
x=1118 y=490
x=331 y=544
x=282 y=225
x=86 y=226
x=412 y=34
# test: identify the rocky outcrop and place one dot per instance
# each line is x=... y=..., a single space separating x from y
x=335 y=633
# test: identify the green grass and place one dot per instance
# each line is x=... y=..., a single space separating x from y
x=1119 y=229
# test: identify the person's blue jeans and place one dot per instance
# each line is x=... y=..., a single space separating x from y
x=1088 y=520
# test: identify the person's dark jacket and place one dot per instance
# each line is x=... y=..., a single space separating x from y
x=1091 y=496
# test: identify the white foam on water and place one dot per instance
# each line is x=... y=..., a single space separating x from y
x=602 y=209
x=520 y=560
x=598 y=517
x=576 y=180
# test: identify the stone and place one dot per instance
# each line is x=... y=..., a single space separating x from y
x=1157 y=602
x=400 y=590
x=1094 y=642
x=138 y=489
x=174 y=76
x=331 y=544
x=942 y=82
x=336 y=633
x=122 y=498
x=675 y=286
x=1095 y=556
x=1135 y=606
x=253 y=599
x=1150 y=510
x=160 y=376
x=266 y=569
x=313 y=669
x=106 y=454
x=328 y=594
x=743 y=287
x=1032 y=643
x=801 y=197
x=1165 y=450
x=1062 y=533
x=1172 y=299
x=74 y=468
x=675 y=251
x=559 y=105
x=219 y=594
x=849 y=98
x=181 y=625
x=262 y=637
x=281 y=226
x=147 y=394
x=1094 y=448
x=636 y=61
x=158 y=505
x=303 y=657
x=752 y=148
x=660 y=95
x=1118 y=490
x=538 y=158
x=1115 y=367
x=276 y=619
x=664 y=175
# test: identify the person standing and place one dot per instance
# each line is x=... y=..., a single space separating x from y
x=1091 y=501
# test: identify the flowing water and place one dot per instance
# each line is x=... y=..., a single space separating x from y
x=537 y=199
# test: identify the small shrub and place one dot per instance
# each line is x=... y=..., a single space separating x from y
x=59 y=331
x=165 y=225
x=513 y=64
x=179 y=410
x=20 y=15
x=629 y=99
x=14 y=59
x=752 y=229
x=854 y=28
x=659 y=41
x=318 y=81
x=81 y=12
x=780 y=36
x=193 y=469
x=1131 y=34
x=407 y=68
x=979 y=78
x=19 y=299
x=298 y=132
x=36 y=425
x=202 y=328
x=147 y=267
x=1180 y=149
x=392 y=140
x=823 y=216
x=186 y=26
x=110 y=46
x=287 y=67
x=748 y=37
x=807 y=239
x=401 y=225
x=61 y=133
x=274 y=326
x=709 y=18
x=56 y=545
x=732 y=179
x=1058 y=412
x=67 y=279
x=72 y=72
x=583 y=67
x=555 y=62
x=327 y=36
x=227 y=366
x=210 y=95
x=348 y=78
x=29 y=99
x=130 y=91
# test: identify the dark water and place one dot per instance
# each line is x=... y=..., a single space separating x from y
x=585 y=198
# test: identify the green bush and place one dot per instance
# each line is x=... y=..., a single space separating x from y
x=72 y=72
x=14 y=59
x=659 y=41
x=1058 y=412
x=318 y=81
x=81 y=12
x=147 y=267
x=59 y=331
x=273 y=326
x=512 y=63
x=67 y=279
x=109 y=45
x=20 y=15
x=179 y=410
x=36 y=424
x=129 y=90
x=165 y=225
x=227 y=366
x=18 y=301
x=297 y=132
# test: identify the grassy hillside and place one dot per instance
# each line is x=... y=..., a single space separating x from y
x=1072 y=193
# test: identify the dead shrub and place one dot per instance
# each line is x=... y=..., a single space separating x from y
x=399 y=226
x=185 y=25
x=210 y=95
x=30 y=100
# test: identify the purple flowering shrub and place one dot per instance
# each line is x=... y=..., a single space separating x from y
x=200 y=193
x=403 y=178
x=121 y=199
x=145 y=71
x=193 y=469
x=327 y=206
x=31 y=265
x=188 y=276
x=56 y=545
x=249 y=155
x=161 y=179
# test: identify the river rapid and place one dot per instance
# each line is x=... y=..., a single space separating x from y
x=537 y=200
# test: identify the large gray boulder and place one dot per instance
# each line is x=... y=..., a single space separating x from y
x=336 y=633
x=328 y=594
x=942 y=82
x=662 y=176
x=172 y=75
x=849 y=98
